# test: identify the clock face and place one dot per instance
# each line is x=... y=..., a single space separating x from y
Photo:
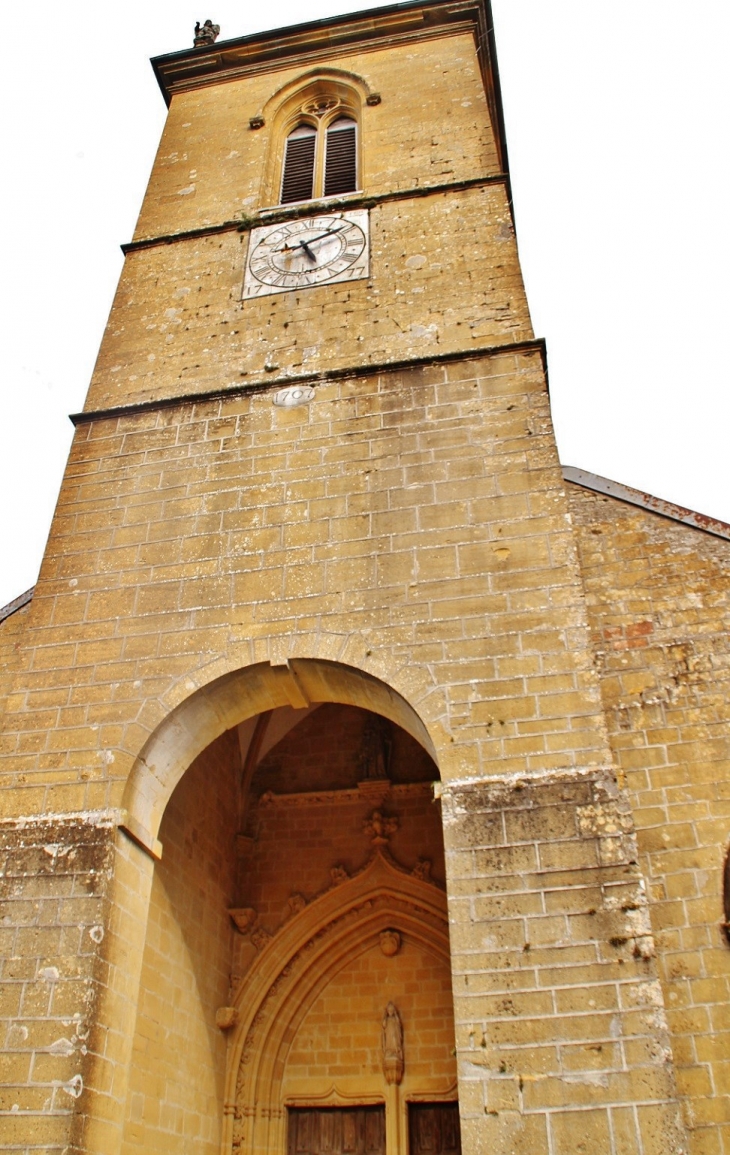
x=317 y=250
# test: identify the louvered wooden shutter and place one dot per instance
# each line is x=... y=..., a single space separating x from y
x=340 y=162
x=298 y=179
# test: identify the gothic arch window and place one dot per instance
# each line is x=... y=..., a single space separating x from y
x=320 y=156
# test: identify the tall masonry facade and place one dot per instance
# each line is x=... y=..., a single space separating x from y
x=364 y=783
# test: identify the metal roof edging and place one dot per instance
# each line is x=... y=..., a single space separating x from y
x=16 y=604
x=647 y=501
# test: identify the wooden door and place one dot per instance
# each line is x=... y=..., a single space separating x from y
x=433 y=1129
x=336 y=1131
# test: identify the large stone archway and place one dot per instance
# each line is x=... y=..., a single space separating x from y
x=188 y=775
x=230 y=700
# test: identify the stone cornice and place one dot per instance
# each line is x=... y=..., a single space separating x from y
x=357 y=794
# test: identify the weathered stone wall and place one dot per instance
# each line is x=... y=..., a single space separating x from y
x=412 y=524
x=179 y=1055
x=561 y=1035
x=658 y=596
x=11 y=639
x=178 y=324
x=54 y=913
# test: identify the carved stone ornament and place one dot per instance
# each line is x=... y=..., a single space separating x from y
x=373 y=98
x=338 y=874
x=295 y=904
x=422 y=870
x=260 y=938
x=378 y=896
x=390 y=941
x=256 y=122
x=380 y=827
x=226 y=1018
x=243 y=918
x=206 y=34
x=392 y=1037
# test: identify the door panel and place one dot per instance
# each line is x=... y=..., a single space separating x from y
x=433 y=1129
x=336 y=1131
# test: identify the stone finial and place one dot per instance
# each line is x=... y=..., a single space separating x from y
x=206 y=34
x=338 y=874
x=392 y=1038
x=380 y=827
x=422 y=870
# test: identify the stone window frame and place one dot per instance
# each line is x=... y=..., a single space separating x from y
x=317 y=99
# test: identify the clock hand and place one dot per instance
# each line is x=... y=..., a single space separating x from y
x=320 y=236
x=299 y=245
x=304 y=244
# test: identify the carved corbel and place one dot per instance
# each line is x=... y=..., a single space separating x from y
x=243 y=918
x=226 y=1018
x=390 y=941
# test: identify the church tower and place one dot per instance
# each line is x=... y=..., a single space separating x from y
x=309 y=804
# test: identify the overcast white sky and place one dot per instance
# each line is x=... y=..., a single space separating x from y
x=616 y=115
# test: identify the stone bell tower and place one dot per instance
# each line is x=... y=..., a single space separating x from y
x=311 y=565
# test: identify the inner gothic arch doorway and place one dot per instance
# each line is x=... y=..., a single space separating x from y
x=300 y=893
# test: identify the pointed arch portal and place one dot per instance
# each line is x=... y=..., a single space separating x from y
x=292 y=972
